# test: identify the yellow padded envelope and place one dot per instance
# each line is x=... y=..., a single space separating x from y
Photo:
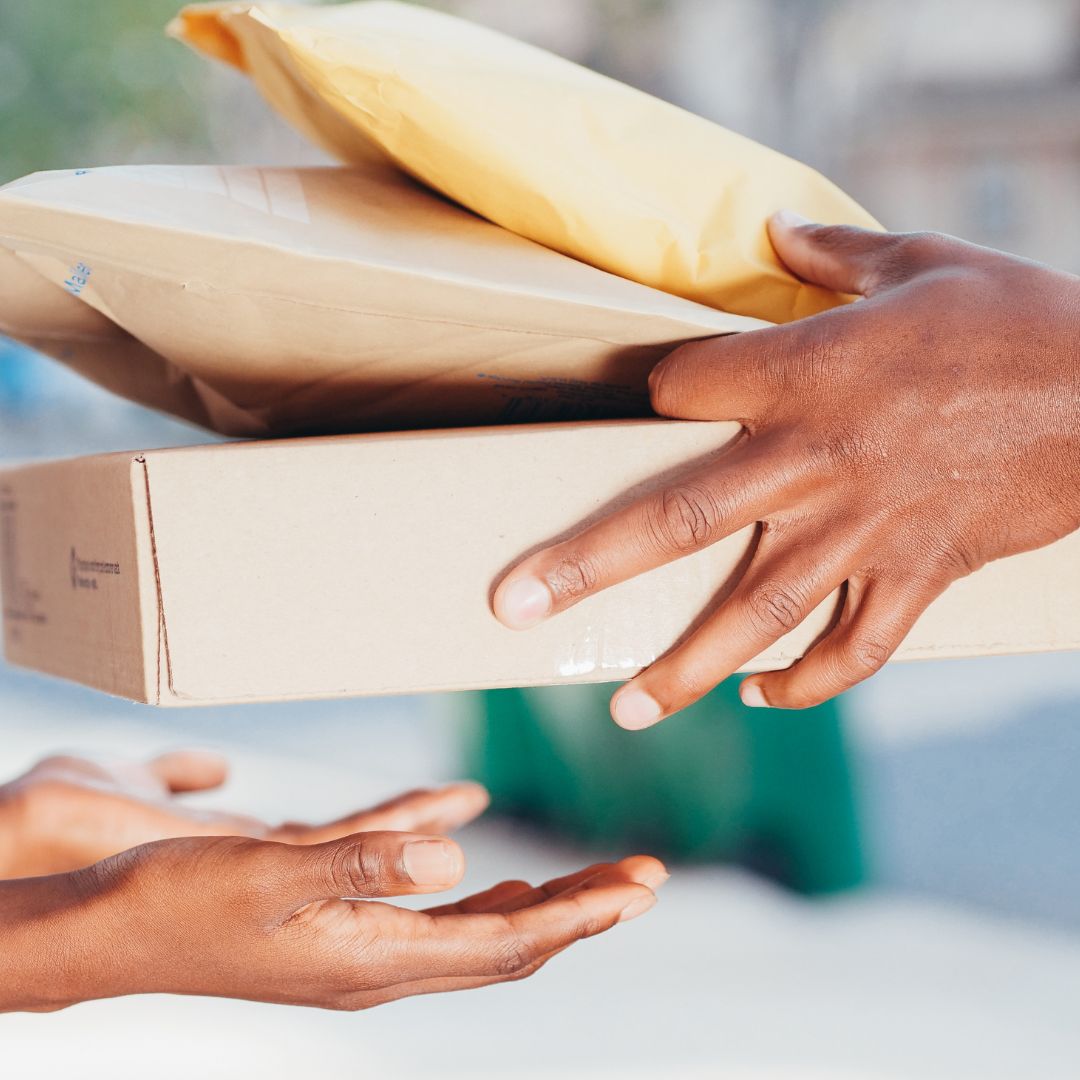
x=548 y=149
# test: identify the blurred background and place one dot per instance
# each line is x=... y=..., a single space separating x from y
x=937 y=811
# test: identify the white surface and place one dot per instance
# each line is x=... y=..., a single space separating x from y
x=725 y=978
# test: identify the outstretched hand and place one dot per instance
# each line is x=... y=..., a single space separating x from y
x=299 y=925
x=225 y=905
x=890 y=447
x=68 y=812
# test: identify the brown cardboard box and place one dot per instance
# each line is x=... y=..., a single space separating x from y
x=364 y=565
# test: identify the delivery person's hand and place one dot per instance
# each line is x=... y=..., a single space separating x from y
x=235 y=917
x=891 y=446
x=68 y=812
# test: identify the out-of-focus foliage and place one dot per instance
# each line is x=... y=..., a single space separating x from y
x=85 y=82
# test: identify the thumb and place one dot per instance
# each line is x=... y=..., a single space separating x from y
x=374 y=864
x=843 y=258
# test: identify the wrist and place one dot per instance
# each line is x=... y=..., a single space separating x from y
x=54 y=947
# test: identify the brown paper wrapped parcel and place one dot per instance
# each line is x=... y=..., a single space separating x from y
x=286 y=301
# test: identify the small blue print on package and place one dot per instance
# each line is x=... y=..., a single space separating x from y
x=77 y=279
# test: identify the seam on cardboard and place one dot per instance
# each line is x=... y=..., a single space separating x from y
x=163 y=629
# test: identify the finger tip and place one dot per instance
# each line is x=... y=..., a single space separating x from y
x=455 y=854
x=787 y=218
x=476 y=791
x=521 y=601
x=200 y=754
x=193 y=768
x=474 y=797
x=634 y=709
x=752 y=695
x=645 y=870
x=433 y=862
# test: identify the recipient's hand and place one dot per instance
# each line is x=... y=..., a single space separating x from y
x=68 y=812
x=892 y=445
x=266 y=921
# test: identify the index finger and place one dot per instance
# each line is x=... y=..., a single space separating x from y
x=503 y=945
x=747 y=483
x=511 y=895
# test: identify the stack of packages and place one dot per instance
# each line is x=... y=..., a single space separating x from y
x=512 y=239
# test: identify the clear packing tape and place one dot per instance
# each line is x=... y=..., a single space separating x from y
x=559 y=154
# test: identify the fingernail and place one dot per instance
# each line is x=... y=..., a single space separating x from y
x=637 y=907
x=790 y=219
x=524 y=603
x=431 y=862
x=753 y=696
x=654 y=376
x=634 y=709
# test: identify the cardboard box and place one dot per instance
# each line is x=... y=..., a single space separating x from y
x=364 y=565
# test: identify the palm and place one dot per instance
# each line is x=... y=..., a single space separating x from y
x=496 y=915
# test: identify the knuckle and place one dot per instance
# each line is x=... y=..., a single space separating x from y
x=915 y=251
x=262 y=868
x=836 y=237
x=800 y=361
x=590 y=926
x=512 y=956
x=926 y=246
x=255 y=868
x=358 y=868
x=775 y=607
x=960 y=562
x=866 y=654
x=685 y=518
x=573 y=576
x=946 y=562
x=847 y=452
